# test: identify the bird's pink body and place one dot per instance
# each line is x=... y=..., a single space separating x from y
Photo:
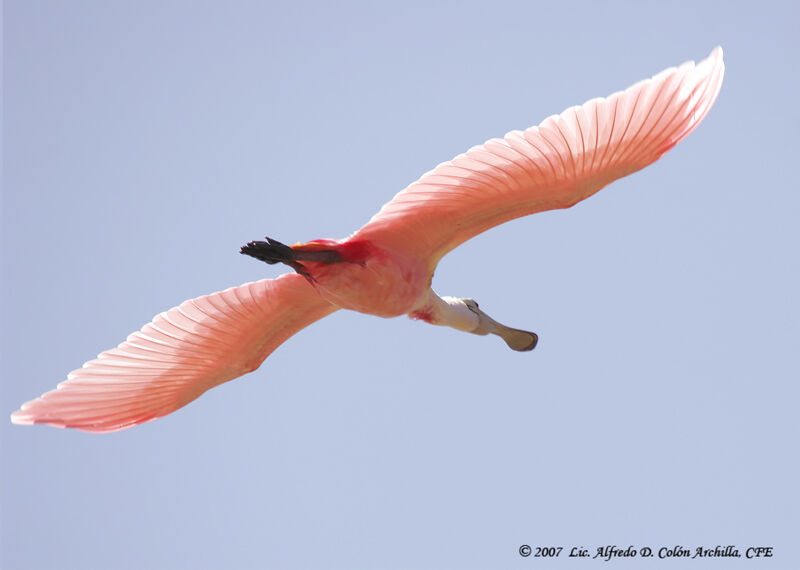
x=370 y=279
x=386 y=267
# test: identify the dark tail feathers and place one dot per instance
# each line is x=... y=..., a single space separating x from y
x=269 y=251
x=272 y=251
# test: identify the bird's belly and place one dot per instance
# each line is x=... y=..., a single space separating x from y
x=380 y=284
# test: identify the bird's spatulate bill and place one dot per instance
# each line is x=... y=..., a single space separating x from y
x=519 y=340
x=516 y=339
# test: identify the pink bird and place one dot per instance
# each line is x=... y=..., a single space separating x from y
x=386 y=267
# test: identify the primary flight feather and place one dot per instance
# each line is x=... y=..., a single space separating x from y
x=386 y=267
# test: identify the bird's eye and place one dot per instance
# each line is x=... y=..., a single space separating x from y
x=471 y=305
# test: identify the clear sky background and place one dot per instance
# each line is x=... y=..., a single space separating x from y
x=144 y=142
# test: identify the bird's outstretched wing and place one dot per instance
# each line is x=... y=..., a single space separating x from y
x=564 y=160
x=179 y=355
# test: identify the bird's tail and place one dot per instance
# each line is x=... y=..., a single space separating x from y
x=270 y=251
x=273 y=251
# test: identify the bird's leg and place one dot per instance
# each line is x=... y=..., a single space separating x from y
x=273 y=251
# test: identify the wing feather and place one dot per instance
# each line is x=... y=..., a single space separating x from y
x=179 y=355
x=563 y=160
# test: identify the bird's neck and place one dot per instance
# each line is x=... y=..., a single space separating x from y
x=445 y=311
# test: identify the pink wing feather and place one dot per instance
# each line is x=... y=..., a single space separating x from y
x=179 y=355
x=564 y=160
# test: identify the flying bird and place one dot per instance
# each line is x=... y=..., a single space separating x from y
x=386 y=267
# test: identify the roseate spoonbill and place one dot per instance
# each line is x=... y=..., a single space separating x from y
x=386 y=267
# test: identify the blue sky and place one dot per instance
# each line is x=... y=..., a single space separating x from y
x=144 y=142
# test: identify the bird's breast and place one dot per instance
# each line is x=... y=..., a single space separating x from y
x=368 y=279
